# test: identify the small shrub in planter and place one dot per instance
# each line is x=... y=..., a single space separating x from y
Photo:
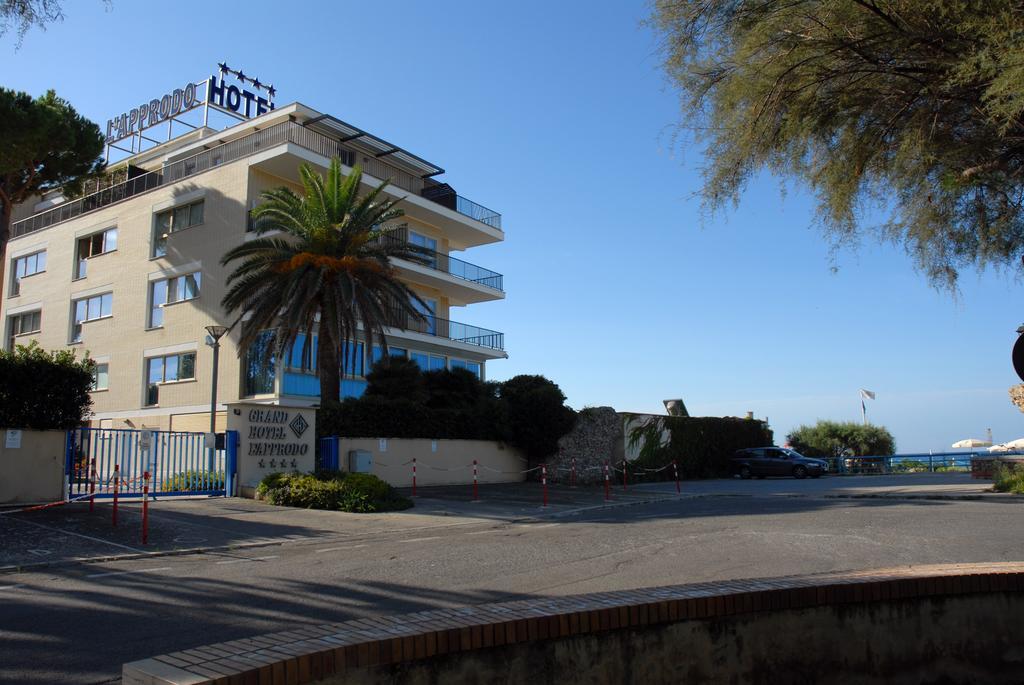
x=193 y=480
x=335 y=491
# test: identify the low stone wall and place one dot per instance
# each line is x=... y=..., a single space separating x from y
x=34 y=471
x=949 y=624
x=596 y=438
x=438 y=462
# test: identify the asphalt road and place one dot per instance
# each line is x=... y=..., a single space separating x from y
x=80 y=623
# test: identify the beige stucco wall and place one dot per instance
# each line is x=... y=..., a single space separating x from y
x=33 y=472
x=123 y=340
x=438 y=462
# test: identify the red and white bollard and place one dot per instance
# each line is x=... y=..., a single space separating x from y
x=607 y=484
x=675 y=472
x=92 y=485
x=476 y=492
x=624 y=469
x=544 y=483
x=572 y=474
x=145 y=507
x=414 y=476
x=117 y=485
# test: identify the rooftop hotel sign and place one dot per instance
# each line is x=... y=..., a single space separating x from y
x=215 y=92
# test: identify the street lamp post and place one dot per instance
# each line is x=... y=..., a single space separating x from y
x=215 y=333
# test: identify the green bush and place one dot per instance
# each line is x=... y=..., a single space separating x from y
x=702 y=446
x=336 y=491
x=1007 y=479
x=842 y=439
x=193 y=480
x=43 y=390
x=909 y=466
x=532 y=416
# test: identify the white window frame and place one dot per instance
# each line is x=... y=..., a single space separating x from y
x=88 y=308
x=15 y=289
x=179 y=282
x=80 y=268
x=164 y=357
x=160 y=237
x=96 y=374
x=12 y=318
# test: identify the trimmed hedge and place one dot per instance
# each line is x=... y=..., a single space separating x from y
x=375 y=417
x=527 y=412
x=336 y=491
x=702 y=446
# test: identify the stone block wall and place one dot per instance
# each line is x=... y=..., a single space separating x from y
x=597 y=437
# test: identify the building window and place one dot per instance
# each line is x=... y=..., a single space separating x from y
x=22 y=267
x=429 y=311
x=173 y=220
x=93 y=246
x=89 y=309
x=100 y=377
x=353 y=359
x=429 y=243
x=473 y=367
x=303 y=359
x=168 y=369
x=260 y=366
x=393 y=351
x=168 y=291
x=23 y=324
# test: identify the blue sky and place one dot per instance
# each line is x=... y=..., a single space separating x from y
x=619 y=290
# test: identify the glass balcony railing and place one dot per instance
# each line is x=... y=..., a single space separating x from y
x=285 y=132
x=451 y=265
x=443 y=328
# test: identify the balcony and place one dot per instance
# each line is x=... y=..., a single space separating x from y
x=251 y=144
x=451 y=265
x=449 y=330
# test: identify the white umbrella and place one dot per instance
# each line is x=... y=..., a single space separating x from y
x=971 y=443
x=1017 y=444
x=1012 y=446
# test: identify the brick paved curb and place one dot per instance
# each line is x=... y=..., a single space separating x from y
x=309 y=654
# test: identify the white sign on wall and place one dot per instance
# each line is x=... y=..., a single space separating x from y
x=272 y=439
x=13 y=440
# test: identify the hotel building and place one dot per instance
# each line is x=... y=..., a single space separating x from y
x=131 y=274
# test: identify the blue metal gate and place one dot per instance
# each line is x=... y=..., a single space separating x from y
x=178 y=463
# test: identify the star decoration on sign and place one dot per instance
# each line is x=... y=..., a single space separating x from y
x=240 y=75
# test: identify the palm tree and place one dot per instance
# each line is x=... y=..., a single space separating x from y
x=328 y=270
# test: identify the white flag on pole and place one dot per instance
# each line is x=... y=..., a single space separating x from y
x=867 y=394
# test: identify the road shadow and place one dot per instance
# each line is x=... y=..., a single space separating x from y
x=51 y=635
x=76 y=531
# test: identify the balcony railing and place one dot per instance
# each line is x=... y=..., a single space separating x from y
x=285 y=132
x=452 y=265
x=443 y=328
